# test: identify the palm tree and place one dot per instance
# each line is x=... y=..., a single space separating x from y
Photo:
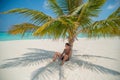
x=72 y=18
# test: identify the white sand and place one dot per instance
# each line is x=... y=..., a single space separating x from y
x=101 y=47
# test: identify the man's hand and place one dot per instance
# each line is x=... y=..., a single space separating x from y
x=61 y=56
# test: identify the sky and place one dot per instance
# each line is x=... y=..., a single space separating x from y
x=7 y=20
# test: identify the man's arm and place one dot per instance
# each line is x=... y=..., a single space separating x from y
x=63 y=52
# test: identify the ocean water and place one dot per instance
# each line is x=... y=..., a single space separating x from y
x=4 y=36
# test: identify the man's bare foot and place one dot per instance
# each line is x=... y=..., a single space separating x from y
x=62 y=63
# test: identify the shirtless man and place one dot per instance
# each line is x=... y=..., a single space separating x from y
x=65 y=56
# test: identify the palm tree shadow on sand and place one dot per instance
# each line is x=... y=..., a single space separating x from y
x=50 y=70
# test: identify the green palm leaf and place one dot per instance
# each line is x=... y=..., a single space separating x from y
x=41 y=30
x=68 y=6
x=88 y=10
x=22 y=28
x=51 y=29
x=36 y=16
x=107 y=28
x=115 y=14
x=55 y=7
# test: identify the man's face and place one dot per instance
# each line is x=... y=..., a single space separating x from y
x=66 y=46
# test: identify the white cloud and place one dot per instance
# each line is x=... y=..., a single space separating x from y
x=112 y=6
x=45 y=5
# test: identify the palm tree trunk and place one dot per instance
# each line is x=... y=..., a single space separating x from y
x=71 y=42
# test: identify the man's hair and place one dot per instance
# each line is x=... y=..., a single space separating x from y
x=67 y=44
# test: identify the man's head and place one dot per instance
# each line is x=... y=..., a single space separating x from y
x=67 y=45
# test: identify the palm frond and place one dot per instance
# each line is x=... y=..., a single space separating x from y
x=32 y=58
x=41 y=30
x=83 y=18
x=54 y=29
x=105 y=28
x=22 y=28
x=46 y=73
x=90 y=8
x=69 y=23
x=77 y=10
x=36 y=16
x=86 y=11
x=53 y=4
x=68 y=6
x=93 y=67
x=115 y=14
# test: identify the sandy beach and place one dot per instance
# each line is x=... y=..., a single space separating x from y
x=100 y=47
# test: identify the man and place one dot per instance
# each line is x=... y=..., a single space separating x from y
x=65 y=56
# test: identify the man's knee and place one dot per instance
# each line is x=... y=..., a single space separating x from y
x=65 y=56
x=57 y=53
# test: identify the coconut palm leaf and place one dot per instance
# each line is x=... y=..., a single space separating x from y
x=53 y=4
x=46 y=73
x=36 y=16
x=77 y=11
x=51 y=29
x=88 y=10
x=32 y=58
x=108 y=27
x=22 y=28
x=41 y=30
x=115 y=14
x=93 y=67
x=104 y=28
x=68 y=6
x=91 y=8
x=68 y=28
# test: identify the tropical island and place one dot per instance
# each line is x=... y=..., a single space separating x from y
x=94 y=57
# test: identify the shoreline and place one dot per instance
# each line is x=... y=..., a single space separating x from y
x=62 y=39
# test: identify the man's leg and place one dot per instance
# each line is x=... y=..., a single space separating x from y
x=56 y=55
x=64 y=59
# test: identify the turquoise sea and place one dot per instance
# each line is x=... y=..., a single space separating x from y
x=4 y=36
